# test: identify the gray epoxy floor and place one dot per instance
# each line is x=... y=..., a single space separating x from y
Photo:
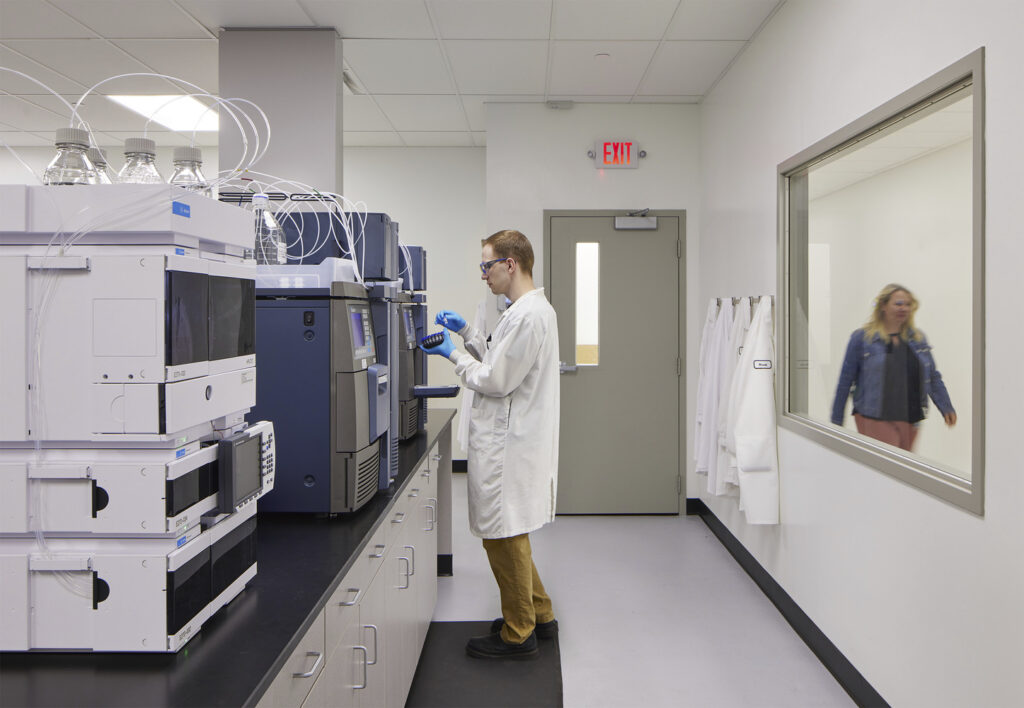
x=653 y=611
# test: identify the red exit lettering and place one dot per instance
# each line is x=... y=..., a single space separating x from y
x=618 y=153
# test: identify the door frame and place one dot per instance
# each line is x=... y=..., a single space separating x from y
x=681 y=300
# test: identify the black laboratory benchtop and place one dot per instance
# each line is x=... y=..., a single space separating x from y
x=239 y=651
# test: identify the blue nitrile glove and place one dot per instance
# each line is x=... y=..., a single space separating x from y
x=452 y=320
x=444 y=349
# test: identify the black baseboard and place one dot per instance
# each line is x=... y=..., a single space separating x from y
x=852 y=681
x=444 y=565
x=459 y=466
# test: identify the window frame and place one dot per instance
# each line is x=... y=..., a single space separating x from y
x=967 y=494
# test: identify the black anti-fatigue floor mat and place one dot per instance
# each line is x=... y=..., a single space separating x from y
x=448 y=678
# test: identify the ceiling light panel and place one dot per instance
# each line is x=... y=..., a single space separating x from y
x=714 y=19
x=611 y=19
x=98 y=111
x=576 y=72
x=194 y=60
x=246 y=13
x=498 y=67
x=372 y=19
x=688 y=68
x=32 y=19
x=140 y=18
x=398 y=65
x=88 y=61
x=512 y=19
x=424 y=113
x=173 y=112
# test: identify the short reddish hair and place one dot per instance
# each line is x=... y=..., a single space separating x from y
x=514 y=245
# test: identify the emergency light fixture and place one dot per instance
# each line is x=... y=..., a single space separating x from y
x=616 y=154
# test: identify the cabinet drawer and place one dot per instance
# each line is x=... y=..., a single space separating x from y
x=400 y=515
x=342 y=611
x=300 y=671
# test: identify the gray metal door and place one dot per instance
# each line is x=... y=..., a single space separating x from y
x=620 y=338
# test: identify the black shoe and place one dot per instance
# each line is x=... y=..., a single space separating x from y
x=492 y=646
x=544 y=630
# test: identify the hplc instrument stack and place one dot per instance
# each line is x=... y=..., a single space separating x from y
x=128 y=476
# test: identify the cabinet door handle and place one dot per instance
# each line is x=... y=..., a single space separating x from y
x=435 y=458
x=398 y=520
x=374 y=628
x=407 y=573
x=362 y=649
x=353 y=601
x=414 y=493
x=382 y=548
x=316 y=665
x=412 y=564
x=432 y=517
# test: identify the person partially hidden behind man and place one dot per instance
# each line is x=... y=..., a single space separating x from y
x=513 y=440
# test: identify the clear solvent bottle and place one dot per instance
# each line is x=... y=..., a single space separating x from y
x=271 y=248
x=99 y=161
x=188 y=172
x=71 y=164
x=139 y=163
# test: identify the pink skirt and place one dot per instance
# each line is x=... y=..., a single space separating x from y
x=898 y=433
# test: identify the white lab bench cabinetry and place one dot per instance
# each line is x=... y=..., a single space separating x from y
x=372 y=629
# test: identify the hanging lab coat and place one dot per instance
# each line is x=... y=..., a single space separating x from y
x=513 y=426
x=727 y=480
x=713 y=393
x=753 y=424
x=707 y=335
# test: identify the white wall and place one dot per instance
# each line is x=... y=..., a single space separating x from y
x=923 y=598
x=437 y=196
x=909 y=225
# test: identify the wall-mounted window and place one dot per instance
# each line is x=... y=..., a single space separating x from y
x=882 y=282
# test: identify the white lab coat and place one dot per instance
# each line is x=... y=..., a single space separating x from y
x=707 y=335
x=707 y=460
x=513 y=427
x=727 y=480
x=752 y=421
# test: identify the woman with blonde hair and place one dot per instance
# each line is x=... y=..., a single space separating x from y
x=890 y=368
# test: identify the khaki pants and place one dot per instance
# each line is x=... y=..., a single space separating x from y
x=524 y=602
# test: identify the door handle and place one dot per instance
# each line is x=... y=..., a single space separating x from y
x=564 y=368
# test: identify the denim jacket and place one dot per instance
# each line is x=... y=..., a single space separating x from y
x=864 y=371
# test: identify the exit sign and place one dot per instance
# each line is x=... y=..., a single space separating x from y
x=616 y=154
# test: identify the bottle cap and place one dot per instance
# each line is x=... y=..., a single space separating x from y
x=187 y=153
x=97 y=156
x=143 y=145
x=74 y=136
x=260 y=201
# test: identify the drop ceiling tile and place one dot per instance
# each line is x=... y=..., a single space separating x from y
x=611 y=19
x=372 y=19
x=360 y=113
x=438 y=139
x=144 y=18
x=577 y=71
x=215 y=14
x=32 y=19
x=666 y=99
x=398 y=65
x=357 y=138
x=89 y=61
x=194 y=60
x=480 y=139
x=688 y=68
x=23 y=138
x=498 y=66
x=511 y=19
x=715 y=19
x=162 y=138
x=25 y=114
x=12 y=83
x=423 y=113
x=476 y=111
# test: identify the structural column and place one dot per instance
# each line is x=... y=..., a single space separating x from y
x=294 y=75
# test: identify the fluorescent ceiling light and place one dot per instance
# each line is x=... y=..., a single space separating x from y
x=175 y=112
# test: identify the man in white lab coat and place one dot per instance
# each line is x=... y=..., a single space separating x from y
x=513 y=440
